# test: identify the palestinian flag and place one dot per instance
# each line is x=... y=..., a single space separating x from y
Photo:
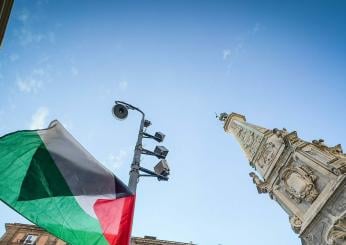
x=50 y=179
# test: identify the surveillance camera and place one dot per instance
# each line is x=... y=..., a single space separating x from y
x=162 y=168
x=161 y=151
x=159 y=137
x=120 y=111
x=147 y=123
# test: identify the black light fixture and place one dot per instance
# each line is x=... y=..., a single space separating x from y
x=120 y=111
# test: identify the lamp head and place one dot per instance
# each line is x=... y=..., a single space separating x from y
x=120 y=111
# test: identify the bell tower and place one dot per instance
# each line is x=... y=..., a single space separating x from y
x=307 y=179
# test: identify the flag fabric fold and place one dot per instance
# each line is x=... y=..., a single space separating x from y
x=49 y=178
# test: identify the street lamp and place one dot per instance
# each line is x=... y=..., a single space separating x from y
x=161 y=170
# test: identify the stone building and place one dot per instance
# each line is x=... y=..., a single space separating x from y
x=307 y=179
x=32 y=235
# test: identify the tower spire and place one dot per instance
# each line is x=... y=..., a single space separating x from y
x=307 y=179
x=248 y=136
x=259 y=144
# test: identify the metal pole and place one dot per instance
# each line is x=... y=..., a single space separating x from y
x=135 y=166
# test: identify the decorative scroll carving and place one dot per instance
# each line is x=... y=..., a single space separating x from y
x=296 y=223
x=337 y=233
x=262 y=186
x=299 y=183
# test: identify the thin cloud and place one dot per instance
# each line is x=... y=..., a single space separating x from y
x=26 y=34
x=115 y=161
x=39 y=118
x=123 y=85
x=238 y=46
x=14 y=57
x=29 y=85
x=226 y=53
x=23 y=15
x=33 y=82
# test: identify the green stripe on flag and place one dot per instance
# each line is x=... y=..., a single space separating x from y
x=63 y=217
x=23 y=156
x=43 y=179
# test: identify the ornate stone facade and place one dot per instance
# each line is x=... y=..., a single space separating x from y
x=307 y=179
x=33 y=235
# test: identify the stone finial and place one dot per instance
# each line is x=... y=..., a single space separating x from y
x=222 y=117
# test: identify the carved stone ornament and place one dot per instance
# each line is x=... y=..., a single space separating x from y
x=299 y=184
x=262 y=186
x=296 y=223
x=337 y=233
x=249 y=139
x=267 y=155
x=335 y=150
x=318 y=154
x=280 y=133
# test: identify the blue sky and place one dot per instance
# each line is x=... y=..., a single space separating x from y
x=282 y=64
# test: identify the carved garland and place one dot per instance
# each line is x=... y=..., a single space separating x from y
x=299 y=184
x=337 y=233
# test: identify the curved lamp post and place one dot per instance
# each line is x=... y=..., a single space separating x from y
x=161 y=170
